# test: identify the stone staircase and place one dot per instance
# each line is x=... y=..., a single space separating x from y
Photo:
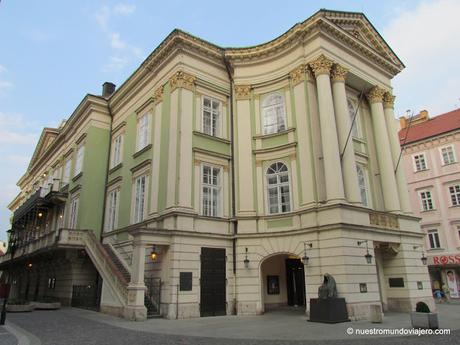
x=118 y=264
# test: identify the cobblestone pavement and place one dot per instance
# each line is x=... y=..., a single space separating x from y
x=72 y=327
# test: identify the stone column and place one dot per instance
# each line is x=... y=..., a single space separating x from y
x=392 y=126
x=350 y=176
x=135 y=309
x=321 y=67
x=382 y=143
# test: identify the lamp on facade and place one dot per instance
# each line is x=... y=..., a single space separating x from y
x=246 y=260
x=368 y=255
x=40 y=214
x=305 y=256
x=424 y=259
x=153 y=254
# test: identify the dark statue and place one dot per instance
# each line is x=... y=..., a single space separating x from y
x=328 y=289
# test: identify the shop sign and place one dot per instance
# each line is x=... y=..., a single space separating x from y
x=453 y=259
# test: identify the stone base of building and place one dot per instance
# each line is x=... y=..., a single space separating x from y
x=361 y=311
x=112 y=310
x=407 y=305
x=135 y=313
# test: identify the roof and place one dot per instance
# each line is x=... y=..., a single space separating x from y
x=435 y=126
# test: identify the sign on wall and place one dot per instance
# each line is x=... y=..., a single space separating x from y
x=452 y=283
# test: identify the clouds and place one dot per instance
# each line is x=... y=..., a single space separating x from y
x=122 y=52
x=427 y=41
x=14 y=130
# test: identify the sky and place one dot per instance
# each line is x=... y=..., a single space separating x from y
x=54 y=52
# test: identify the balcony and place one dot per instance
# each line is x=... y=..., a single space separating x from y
x=44 y=197
x=62 y=238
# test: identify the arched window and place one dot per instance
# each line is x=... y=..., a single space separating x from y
x=273 y=113
x=279 y=200
x=351 y=113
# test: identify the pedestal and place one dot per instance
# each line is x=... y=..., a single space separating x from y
x=330 y=310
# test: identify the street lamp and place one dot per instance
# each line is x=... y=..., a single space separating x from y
x=246 y=260
x=153 y=254
x=368 y=256
x=305 y=256
x=424 y=259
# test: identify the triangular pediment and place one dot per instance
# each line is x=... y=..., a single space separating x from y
x=357 y=25
x=46 y=139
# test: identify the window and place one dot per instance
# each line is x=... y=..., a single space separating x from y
x=142 y=131
x=458 y=232
x=73 y=213
x=112 y=210
x=351 y=113
x=116 y=150
x=433 y=238
x=455 y=195
x=79 y=160
x=273 y=113
x=139 y=198
x=420 y=162
x=363 y=184
x=448 y=156
x=52 y=283
x=279 y=200
x=67 y=166
x=211 y=116
x=210 y=187
x=427 y=201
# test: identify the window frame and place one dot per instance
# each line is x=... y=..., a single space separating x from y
x=67 y=171
x=432 y=238
x=113 y=161
x=147 y=116
x=356 y=127
x=414 y=162
x=218 y=187
x=134 y=211
x=367 y=189
x=74 y=208
x=112 y=211
x=219 y=121
x=263 y=109
x=278 y=187
x=456 y=194
x=454 y=156
x=78 y=168
x=421 y=198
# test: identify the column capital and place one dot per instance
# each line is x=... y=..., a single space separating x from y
x=158 y=95
x=321 y=65
x=182 y=79
x=339 y=73
x=300 y=74
x=375 y=95
x=388 y=100
x=242 y=92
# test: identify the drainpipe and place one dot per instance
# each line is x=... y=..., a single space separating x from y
x=232 y=165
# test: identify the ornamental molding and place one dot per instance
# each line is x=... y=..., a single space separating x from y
x=339 y=73
x=321 y=65
x=242 y=92
x=375 y=95
x=181 y=79
x=300 y=74
x=158 y=95
x=388 y=100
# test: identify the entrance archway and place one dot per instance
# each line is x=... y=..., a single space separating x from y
x=282 y=282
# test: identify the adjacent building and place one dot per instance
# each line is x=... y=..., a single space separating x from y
x=221 y=181
x=431 y=147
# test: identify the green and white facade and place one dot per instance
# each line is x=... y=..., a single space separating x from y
x=232 y=164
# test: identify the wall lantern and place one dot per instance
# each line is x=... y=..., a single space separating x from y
x=29 y=265
x=368 y=256
x=40 y=214
x=305 y=256
x=424 y=259
x=153 y=254
x=246 y=260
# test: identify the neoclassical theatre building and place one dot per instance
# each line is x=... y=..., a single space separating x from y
x=218 y=181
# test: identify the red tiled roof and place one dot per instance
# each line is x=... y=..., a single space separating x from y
x=437 y=125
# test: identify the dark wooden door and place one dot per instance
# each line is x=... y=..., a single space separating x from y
x=295 y=282
x=213 y=282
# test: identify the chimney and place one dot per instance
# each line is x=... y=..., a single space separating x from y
x=108 y=89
